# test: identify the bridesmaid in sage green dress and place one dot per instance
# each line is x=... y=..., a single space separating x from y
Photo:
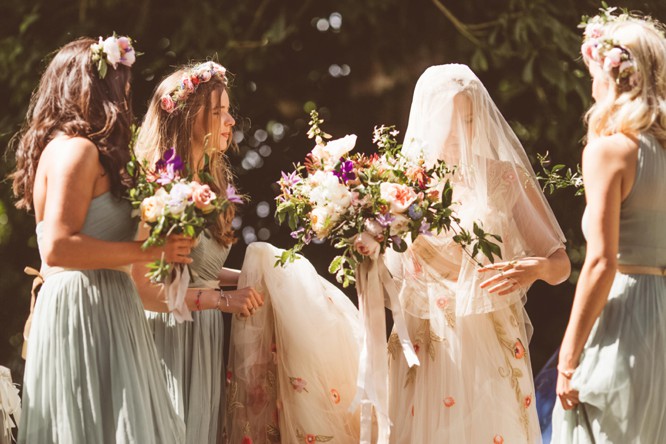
x=92 y=373
x=611 y=378
x=189 y=111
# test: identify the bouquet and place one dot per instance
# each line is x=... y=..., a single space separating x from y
x=169 y=200
x=365 y=204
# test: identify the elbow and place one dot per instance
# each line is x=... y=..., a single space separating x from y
x=561 y=267
x=601 y=265
x=51 y=251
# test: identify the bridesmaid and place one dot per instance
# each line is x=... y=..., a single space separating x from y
x=611 y=362
x=92 y=373
x=190 y=112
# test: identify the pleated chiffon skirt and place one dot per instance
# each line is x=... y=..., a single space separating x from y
x=92 y=373
x=192 y=356
x=621 y=377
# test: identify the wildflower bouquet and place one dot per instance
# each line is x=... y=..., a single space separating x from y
x=366 y=204
x=170 y=201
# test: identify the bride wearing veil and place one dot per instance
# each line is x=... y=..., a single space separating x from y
x=468 y=325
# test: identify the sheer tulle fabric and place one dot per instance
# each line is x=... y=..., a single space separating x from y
x=293 y=364
x=474 y=383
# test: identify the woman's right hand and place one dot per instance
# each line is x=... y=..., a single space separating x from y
x=243 y=302
x=177 y=249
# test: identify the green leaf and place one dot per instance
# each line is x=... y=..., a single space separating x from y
x=335 y=265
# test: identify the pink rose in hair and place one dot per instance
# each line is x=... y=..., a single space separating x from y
x=187 y=83
x=587 y=48
x=613 y=59
x=166 y=102
x=203 y=196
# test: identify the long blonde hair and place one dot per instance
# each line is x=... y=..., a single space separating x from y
x=641 y=108
x=162 y=130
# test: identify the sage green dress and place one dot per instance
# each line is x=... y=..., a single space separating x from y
x=192 y=352
x=621 y=376
x=92 y=373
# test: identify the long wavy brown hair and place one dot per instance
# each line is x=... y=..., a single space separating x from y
x=161 y=130
x=71 y=99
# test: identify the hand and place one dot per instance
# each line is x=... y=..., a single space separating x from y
x=243 y=302
x=568 y=396
x=177 y=249
x=513 y=275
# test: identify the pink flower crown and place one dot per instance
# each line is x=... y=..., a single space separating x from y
x=112 y=51
x=614 y=58
x=199 y=74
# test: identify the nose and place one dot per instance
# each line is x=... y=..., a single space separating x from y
x=229 y=121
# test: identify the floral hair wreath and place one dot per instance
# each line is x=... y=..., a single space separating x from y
x=201 y=73
x=614 y=58
x=111 y=51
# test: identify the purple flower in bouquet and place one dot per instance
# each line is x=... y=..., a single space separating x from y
x=345 y=172
x=385 y=220
x=307 y=237
x=291 y=179
x=232 y=195
x=397 y=241
x=169 y=167
x=424 y=228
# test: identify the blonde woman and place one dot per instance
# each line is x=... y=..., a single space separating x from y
x=189 y=112
x=611 y=364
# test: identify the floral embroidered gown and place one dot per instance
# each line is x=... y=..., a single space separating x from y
x=474 y=382
x=293 y=364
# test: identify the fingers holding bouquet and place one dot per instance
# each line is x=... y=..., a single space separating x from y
x=177 y=249
x=511 y=275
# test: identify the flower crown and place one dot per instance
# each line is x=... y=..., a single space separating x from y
x=614 y=58
x=201 y=73
x=112 y=51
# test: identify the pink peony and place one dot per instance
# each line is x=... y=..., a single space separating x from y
x=613 y=58
x=112 y=51
x=399 y=197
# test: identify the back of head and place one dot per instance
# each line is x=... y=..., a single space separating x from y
x=72 y=99
x=630 y=52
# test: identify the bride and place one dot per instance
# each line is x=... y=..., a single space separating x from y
x=467 y=324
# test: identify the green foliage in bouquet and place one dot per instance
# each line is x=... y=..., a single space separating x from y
x=364 y=204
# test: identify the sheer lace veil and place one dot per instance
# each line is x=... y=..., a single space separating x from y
x=453 y=118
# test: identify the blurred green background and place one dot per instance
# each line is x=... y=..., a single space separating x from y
x=357 y=61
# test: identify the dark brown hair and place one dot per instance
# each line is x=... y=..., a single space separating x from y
x=161 y=130
x=71 y=99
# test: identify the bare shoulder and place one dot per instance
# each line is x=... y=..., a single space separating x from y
x=64 y=154
x=617 y=150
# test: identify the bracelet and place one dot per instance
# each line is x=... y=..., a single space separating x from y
x=197 y=302
x=566 y=373
x=221 y=295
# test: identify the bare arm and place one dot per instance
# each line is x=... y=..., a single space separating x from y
x=605 y=164
x=228 y=277
x=72 y=175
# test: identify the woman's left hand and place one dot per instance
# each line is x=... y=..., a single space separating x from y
x=513 y=275
x=568 y=396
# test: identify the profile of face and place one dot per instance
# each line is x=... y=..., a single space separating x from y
x=600 y=82
x=460 y=128
x=217 y=125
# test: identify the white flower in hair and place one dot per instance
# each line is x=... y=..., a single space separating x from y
x=112 y=51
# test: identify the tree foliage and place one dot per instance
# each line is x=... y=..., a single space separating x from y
x=356 y=61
